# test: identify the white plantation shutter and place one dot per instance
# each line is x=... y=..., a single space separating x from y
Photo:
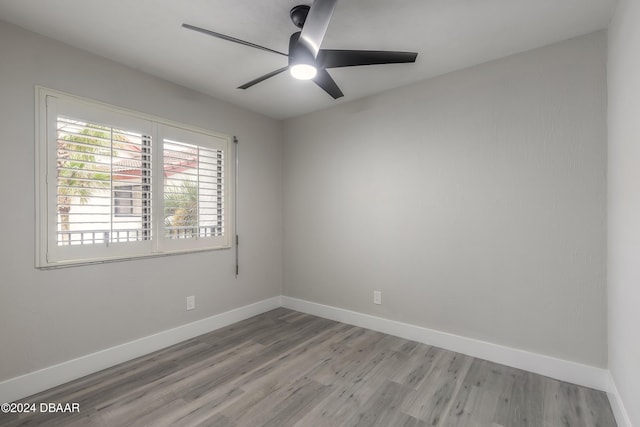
x=94 y=164
x=195 y=189
x=116 y=184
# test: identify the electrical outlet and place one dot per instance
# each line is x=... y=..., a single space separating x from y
x=191 y=302
x=377 y=297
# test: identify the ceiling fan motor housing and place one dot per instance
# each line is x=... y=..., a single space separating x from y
x=298 y=52
x=299 y=14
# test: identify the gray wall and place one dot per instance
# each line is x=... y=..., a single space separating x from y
x=474 y=201
x=624 y=204
x=47 y=317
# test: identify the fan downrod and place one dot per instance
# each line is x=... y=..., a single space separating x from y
x=299 y=14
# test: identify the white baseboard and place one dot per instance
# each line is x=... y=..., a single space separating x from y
x=564 y=370
x=619 y=411
x=576 y=373
x=35 y=382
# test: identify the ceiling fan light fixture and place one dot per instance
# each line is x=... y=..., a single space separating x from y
x=306 y=60
x=303 y=71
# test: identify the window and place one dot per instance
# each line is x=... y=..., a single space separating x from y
x=127 y=200
x=115 y=184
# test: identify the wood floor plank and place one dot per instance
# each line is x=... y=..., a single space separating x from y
x=296 y=362
x=485 y=387
x=217 y=420
x=285 y=368
x=336 y=365
x=280 y=400
x=433 y=399
x=597 y=405
x=344 y=401
x=246 y=407
x=525 y=405
x=185 y=379
x=205 y=408
x=421 y=360
x=383 y=408
x=350 y=395
x=297 y=401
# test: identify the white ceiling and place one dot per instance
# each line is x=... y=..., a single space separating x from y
x=447 y=34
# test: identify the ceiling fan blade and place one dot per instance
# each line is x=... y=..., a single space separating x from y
x=229 y=38
x=262 y=78
x=324 y=80
x=316 y=24
x=329 y=58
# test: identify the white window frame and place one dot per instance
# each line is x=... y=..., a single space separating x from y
x=48 y=253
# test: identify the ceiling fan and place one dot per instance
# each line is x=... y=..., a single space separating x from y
x=307 y=61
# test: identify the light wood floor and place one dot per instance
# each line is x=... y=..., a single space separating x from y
x=285 y=368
